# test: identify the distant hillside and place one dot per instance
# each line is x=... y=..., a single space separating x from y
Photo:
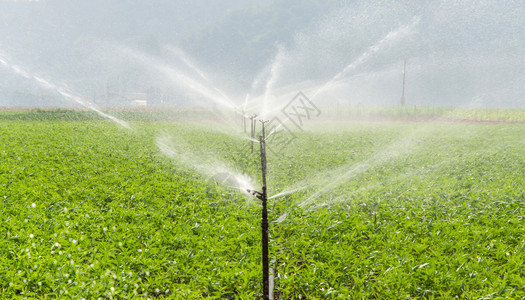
x=71 y=41
x=245 y=40
x=179 y=52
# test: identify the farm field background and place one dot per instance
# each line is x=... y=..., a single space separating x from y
x=385 y=210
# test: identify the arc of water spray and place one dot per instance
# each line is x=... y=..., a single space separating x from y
x=423 y=170
x=391 y=37
x=190 y=64
x=269 y=76
x=343 y=174
x=284 y=193
x=390 y=181
x=403 y=146
x=180 y=78
x=62 y=91
x=273 y=76
x=204 y=164
x=244 y=105
x=335 y=178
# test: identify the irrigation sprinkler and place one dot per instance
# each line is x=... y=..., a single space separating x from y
x=253 y=120
x=263 y=196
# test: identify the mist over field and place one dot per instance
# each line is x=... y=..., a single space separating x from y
x=243 y=149
x=202 y=53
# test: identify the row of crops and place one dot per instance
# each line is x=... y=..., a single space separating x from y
x=384 y=211
x=340 y=113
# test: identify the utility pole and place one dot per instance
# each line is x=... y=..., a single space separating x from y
x=403 y=101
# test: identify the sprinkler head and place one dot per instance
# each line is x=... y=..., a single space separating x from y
x=257 y=194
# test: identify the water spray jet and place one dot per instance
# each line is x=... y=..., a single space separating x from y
x=62 y=91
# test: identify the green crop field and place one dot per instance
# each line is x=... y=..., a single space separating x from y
x=367 y=210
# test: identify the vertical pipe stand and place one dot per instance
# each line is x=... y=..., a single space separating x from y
x=264 y=220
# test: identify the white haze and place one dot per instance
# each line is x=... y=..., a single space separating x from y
x=244 y=54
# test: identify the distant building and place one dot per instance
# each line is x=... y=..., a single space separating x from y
x=139 y=103
x=129 y=99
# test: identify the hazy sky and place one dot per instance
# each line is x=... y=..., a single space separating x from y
x=458 y=53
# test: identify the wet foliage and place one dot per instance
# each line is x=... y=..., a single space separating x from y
x=384 y=211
